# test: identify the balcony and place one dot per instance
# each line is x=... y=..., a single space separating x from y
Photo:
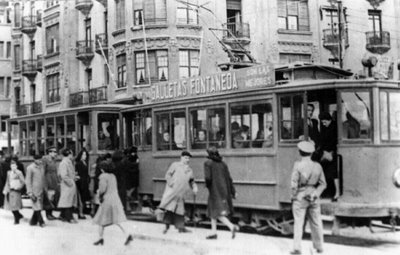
x=29 y=68
x=103 y=2
x=84 y=6
x=22 y=109
x=39 y=63
x=236 y=32
x=378 y=41
x=102 y=44
x=84 y=51
x=29 y=25
x=36 y=107
x=78 y=99
x=98 y=95
x=38 y=18
x=331 y=39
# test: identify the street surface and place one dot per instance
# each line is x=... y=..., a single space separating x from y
x=61 y=238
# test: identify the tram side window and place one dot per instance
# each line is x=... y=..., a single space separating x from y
x=356 y=115
x=32 y=137
x=23 y=138
x=60 y=132
x=171 y=129
x=138 y=129
x=251 y=125
x=208 y=127
x=390 y=115
x=71 y=133
x=50 y=132
x=40 y=136
x=291 y=117
x=108 y=131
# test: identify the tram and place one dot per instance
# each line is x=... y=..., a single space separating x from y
x=267 y=106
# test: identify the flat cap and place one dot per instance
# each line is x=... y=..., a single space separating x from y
x=325 y=116
x=306 y=146
x=186 y=153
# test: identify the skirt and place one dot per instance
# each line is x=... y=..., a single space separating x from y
x=13 y=201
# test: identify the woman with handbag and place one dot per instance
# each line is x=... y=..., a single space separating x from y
x=110 y=211
x=12 y=191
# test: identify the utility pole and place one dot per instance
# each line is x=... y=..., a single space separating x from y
x=340 y=27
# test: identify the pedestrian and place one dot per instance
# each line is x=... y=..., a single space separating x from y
x=35 y=186
x=180 y=180
x=97 y=173
x=307 y=184
x=52 y=182
x=131 y=167
x=110 y=211
x=121 y=175
x=82 y=183
x=68 y=196
x=221 y=191
x=12 y=191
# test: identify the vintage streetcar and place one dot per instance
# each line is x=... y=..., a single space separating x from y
x=270 y=105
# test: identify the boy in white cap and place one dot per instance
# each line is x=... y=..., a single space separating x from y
x=308 y=182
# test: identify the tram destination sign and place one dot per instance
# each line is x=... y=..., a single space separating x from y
x=218 y=83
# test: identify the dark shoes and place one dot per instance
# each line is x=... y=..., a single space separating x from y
x=320 y=251
x=234 y=230
x=50 y=217
x=128 y=240
x=100 y=242
x=81 y=217
x=295 y=252
x=212 y=237
x=184 y=230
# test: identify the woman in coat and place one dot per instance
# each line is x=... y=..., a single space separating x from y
x=82 y=184
x=180 y=180
x=12 y=191
x=110 y=210
x=68 y=193
x=221 y=191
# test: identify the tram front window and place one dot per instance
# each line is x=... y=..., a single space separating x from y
x=356 y=115
x=108 y=131
x=291 y=117
x=390 y=115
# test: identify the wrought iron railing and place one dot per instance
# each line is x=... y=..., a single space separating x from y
x=378 y=38
x=23 y=109
x=331 y=37
x=84 y=47
x=36 y=107
x=237 y=29
x=29 y=65
x=97 y=95
x=29 y=22
x=101 y=42
x=78 y=99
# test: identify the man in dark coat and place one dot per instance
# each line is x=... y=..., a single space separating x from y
x=130 y=165
x=312 y=126
x=221 y=191
x=120 y=174
x=52 y=181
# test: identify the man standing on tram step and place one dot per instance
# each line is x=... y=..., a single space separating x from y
x=35 y=186
x=307 y=184
x=52 y=182
x=180 y=180
x=68 y=194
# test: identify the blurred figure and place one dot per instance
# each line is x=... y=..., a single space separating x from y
x=307 y=184
x=166 y=143
x=121 y=175
x=110 y=211
x=68 y=196
x=200 y=142
x=97 y=172
x=35 y=186
x=82 y=183
x=242 y=138
x=180 y=180
x=104 y=141
x=13 y=190
x=52 y=182
x=221 y=191
x=131 y=167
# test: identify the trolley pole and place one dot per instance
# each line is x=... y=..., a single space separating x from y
x=340 y=32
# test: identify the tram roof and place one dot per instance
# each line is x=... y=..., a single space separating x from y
x=85 y=108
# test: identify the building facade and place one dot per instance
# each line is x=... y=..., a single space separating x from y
x=69 y=54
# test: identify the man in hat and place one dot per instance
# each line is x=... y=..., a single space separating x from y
x=180 y=180
x=35 y=186
x=52 y=181
x=308 y=182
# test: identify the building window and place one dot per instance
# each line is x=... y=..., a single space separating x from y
x=50 y=3
x=1 y=49
x=158 y=65
x=88 y=31
x=8 y=16
x=121 y=70
x=8 y=86
x=120 y=14
x=293 y=15
x=17 y=15
x=186 y=14
x=52 y=39
x=53 y=88
x=17 y=57
x=2 y=86
x=375 y=20
x=8 y=52
x=138 y=17
x=286 y=58
x=188 y=63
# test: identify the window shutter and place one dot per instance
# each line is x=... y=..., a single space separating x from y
x=149 y=11
x=304 y=21
x=282 y=8
x=292 y=7
x=161 y=12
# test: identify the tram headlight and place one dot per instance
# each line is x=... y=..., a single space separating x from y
x=396 y=178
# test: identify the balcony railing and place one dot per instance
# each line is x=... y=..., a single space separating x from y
x=78 y=99
x=331 y=38
x=98 y=95
x=36 y=107
x=29 y=67
x=101 y=42
x=29 y=25
x=23 y=109
x=378 y=41
x=237 y=30
x=84 y=51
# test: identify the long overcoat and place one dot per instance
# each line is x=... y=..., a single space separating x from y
x=178 y=179
x=110 y=210
x=35 y=184
x=14 y=201
x=50 y=172
x=68 y=194
x=220 y=187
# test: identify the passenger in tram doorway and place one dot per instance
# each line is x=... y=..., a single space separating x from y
x=180 y=181
x=312 y=125
x=104 y=141
x=307 y=184
x=131 y=167
x=328 y=155
x=52 y=181
x=221 y=191
x=82 y=184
